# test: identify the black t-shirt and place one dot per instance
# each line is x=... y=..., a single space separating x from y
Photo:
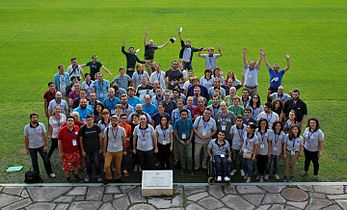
x=90 y=137
x=94 y=68
x=149 y=52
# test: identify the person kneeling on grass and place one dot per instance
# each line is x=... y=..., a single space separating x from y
x=114 y=148
x=219 y=152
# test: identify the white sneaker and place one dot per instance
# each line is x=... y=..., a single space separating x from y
x=233 y=172
x=277 y=177
x=261 y=179
x=99 y=179
x=52 y=175
x=248 y=180
x=266 y=177
x=226 y=179
x=219 y=178
x=87 y=178
x=242 y=172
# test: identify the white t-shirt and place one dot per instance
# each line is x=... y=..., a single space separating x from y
x=56 y=124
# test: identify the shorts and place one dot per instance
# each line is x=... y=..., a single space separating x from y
x=71 y=160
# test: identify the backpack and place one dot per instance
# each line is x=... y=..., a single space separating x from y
x=32 y=177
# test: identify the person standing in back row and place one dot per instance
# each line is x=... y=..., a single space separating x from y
x=95 y=66
x=250 y=72
x=187 y=51
x=131 y=58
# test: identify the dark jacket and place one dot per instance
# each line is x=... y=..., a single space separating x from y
x=184 y=47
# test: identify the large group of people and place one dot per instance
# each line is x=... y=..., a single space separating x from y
x=145 y=117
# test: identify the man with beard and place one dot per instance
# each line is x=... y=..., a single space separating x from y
x=114 y=149
x=269 y=115
x=100 y=87
x=224 y=120
x=69 y=149
x=132 y=99
x=174 y=76
x=91 y=146
x=35 y=141
x=58 y=101
x=158 y=75
x=168 y=103
x=158 y=98
x=111 y=101
x=126 y=108
x=75 y=69
x=139 y=111
x=83 y=110
x=296 y=104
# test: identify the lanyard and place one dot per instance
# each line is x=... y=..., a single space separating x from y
x=309 y=135
x=221 y=148
x=143 y=132
x=158 y=76
x=247 y=141
x=276 y=139
x=294 y=143
x=239 y=130
x=115 y=136
x=268 y=119
x=164 y=132
x=262 y=136
x=205 y=124
x=58 y=121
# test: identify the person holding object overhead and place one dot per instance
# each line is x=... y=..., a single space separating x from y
x=186 y=52
x=131 y=58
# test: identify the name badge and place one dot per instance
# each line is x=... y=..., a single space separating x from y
x=203 y=133
x=292 y=152
x=223 y=128
x=222 y=155
x=274 y=149
x=245 y=150
x=143 y=141
x=165 y=141
x=74 y=142
x=262 y=146
x=184 y=136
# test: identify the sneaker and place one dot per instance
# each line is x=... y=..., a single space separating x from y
x=226 y=179
x=314 y=178
x=219 y=178
x=135 y=168
x=87 y=178
x=266 y=177
x=99 y=179
x=304 y=173
x=242 y=172
x=248 y=180
x=52 y=175
x=257 y=177
x=277 y=177
x=233 y=172
x=261 y=179
x=106 y=181
x=78 y=178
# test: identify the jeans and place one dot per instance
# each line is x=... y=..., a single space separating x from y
x=146 y=159
x=311 y=156
x=130 y=73
x=237 y=160
x=117 y=160
x=45 y=159
x=273 y=159
x=93 y=156
x=185 y=153
x=221 y=165
x=248 y=166
x=54 y=145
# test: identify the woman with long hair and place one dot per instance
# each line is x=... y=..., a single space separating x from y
x=264 y=136
x=313 y=146
x=275 y=146
x=292 y=152
x=255 y=105
x=277 y=106
x=165 y=141
x=231 y=79
x=99 y=107
x=248 y=151
x=105 y=120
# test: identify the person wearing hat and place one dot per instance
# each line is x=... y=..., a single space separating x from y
x=114 y=148
x=211 y=57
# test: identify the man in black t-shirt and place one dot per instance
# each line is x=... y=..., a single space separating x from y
x=95 y=66
x=91 y=140
x=174 y=76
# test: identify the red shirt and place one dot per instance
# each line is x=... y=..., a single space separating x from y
x=197 y=111
x=66 y=137
x=49 y=96
x=77 y=122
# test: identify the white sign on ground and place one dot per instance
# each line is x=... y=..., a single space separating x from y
x=157 y=183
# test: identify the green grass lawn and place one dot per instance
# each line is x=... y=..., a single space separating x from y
x=36 y=36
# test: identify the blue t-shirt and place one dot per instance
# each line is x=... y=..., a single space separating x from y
x=101 y=89
x=111 y=104
x=275 y=78
x=133 y=101
x=151 y=109
x=183 y=128
x=83 y=112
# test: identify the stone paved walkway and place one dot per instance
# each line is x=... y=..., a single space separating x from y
x=186 y=196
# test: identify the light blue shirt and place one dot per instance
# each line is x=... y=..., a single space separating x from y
x=101 y=89
x=83 y=112
x=251 y=77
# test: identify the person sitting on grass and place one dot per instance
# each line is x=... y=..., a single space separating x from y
x=219 y=152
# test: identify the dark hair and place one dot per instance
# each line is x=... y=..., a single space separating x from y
x=291 y=134
x=33 y=114
x=268 y=105
x=102 y=107
x=130 y=48
x=93 y=56
x=86 y=74
x=184 y=110
x=122 y=115
x=221 y=131
x=248 y=110
x=72 y=78
x=135 y=115
x=214 y=71
x=317 y=123
x=253 y=127
x=70 y=116
x=263 y=120
x=274 y=108
x=258 y=102
x=72 y=59
x=296 y=90
x=274 y=126
x=245 y=89
x=49 y=83
x=167 y=120
x=239 y=117
x=89 y=116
